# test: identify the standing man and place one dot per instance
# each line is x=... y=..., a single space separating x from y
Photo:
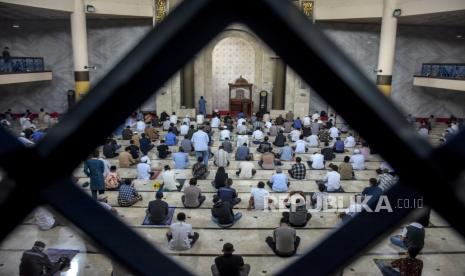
x=202 y=106
x=200 y=141
x=94 y=169
x=7 y=59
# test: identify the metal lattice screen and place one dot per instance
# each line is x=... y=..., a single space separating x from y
x=151 y=63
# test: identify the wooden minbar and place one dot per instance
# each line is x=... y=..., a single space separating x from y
x=240 y=101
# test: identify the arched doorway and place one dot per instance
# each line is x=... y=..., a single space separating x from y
x=231 y=57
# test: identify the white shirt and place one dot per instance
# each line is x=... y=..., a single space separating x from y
x=259 y=196
x=300 y=146
x=246 y=169
x=183 y=130
x=215 y=122
x=358 y=161
x=315 y=116
x=349 y=142
x=106 y=166
x=266 y=117
x=241 y=139
x=258 y=135
x=143 y=171
x=173 y=119
x=295 y=135
x=180 y=232
x=268 y=124
x=317 y=161
x=25 y=141
x=313 y=141
x=423 y=132
x=140 y=126
x=169 y=182
x=242 y=129
x=333 y=181
x=334 y=132
x=225 y=133
x=199 y=119
x=200 y=140
x=166 y=124
x=221 y=158
x=186 y=120
x=44 y=219
x=307 y=121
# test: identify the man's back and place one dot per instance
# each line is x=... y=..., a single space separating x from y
x=180 y=232
x=346 y=171
x=192 y=194
x=285 y=238
x=229 y=265
x=158 y=210
x=328 y=153
x=268 y=160
x=33 y=263
x=242 y=152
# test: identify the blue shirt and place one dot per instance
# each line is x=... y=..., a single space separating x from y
x=37 y=136
x=180 y=160
x=170 y=139
x=227 y=194
x=339 y=145
x=373 y=191
x=297 y=123
x=286 y=153
x=242 y=152
x=279 y=181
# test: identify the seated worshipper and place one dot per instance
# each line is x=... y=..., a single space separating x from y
x=173 y=118
x=333 y=133
x=287 y=126
x=25 y=141
x=373 y=191
x=144 y=171
x=243 y=152
x=290 y=116
x=151 y=132
x=221 y=158
x=192 y=197
x=285 y=241
x=191 y=132
x=94 y=169
x=246 y=169
x=300 y=145
x=158 y=210
x=273 y=130
x=317 y=161
x=323 y=134
x=166 y=124
x=140 y=126
x=215 y=122
x=186 y=145
x=145 y=144
x=332 y=180
x=267 y=161
x=349 y=142
x=313 y=141
x=242 y=139
x=44 y=219
x=169 y=180
x=222 y=213
x=134 y=149
x=186 y=120
x=365 y=150
x=357 y=160
x=241 y=129
x=180 y=159
x=265 y=146
x=228 y=194
x=320 y=199
x=199 y=170
x=112 y=180
x=315 y=127
x=259 y=197
x=227 y=146
x=413 y=235
x=127 y=133
x=385 y=179
x=297 y=123
x=328 y=152
x=164 y=116
x=135 y=138
x=345 y=169
x=258 y=136
x=279 y=181
x=354 y=208
x=280 y=120
x=307 y=121
x=225 y=132
x=220 y=178
x=286 y=153
x=170 y=138
x=280 y=139
x=298 y=215
x=339 y=146
x=125 y=159
x=405 y=266
x=35 y=262
x=127 y=195
x=423 y=131
x=163 y=150
x=184 y=129
x=110 y=148
x=298 y=170
x=229 y=264
x=295 y=134
x=180 y=236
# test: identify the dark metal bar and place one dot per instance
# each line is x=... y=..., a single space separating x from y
x=116 y=238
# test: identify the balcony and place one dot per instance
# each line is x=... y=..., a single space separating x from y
x=450 y=76
x=22 y=70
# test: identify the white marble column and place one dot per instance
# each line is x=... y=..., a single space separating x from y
x=79 y=45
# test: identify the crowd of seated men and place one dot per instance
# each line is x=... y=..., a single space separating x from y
x=291 y=136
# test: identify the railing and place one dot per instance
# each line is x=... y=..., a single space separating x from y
x=21 y=65
x=443 y=70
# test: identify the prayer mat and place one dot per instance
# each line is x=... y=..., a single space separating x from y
x=171 y=210
x=54 y=253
